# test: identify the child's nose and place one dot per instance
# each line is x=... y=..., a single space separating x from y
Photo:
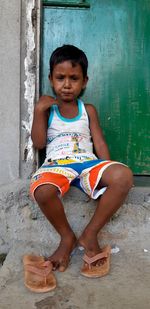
x=67 y=83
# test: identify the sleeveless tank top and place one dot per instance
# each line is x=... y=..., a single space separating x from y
x=69 y=137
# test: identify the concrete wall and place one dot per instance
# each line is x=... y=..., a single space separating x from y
x=18 y=78
x=19 y=66
x=9 y=90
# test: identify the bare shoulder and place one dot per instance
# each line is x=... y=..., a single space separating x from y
x=91 y=110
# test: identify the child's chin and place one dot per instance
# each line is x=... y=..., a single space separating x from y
x=67 y=98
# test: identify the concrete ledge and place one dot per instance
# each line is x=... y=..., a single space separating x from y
x=22 y=220
x=24 y=229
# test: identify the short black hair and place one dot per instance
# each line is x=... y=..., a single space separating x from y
x=69 y=53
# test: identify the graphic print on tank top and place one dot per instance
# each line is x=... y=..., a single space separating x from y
x=69 y=137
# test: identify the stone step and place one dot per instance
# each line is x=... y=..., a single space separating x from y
x=22 y=220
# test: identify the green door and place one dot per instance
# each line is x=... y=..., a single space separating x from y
x=115 y=36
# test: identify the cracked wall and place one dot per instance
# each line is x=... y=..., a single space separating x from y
x=18 y=32
x=29 y=85
x=18 y=88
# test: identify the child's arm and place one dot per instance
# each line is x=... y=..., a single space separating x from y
x=99 y=143
x=40 y=119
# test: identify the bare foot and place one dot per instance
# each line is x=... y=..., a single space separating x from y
x=90 y=243
x=61 y=257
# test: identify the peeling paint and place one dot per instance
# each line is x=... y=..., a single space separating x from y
x=29 y=83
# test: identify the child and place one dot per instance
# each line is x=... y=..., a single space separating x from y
x=70 y=131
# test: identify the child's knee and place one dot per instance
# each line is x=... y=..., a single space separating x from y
x=128 y=178
x=123 y=177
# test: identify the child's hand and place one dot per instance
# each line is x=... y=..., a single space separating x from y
x=45 y=102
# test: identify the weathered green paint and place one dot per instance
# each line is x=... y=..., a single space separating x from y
x=116 y=38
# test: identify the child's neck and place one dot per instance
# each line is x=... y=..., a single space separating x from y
x=68 y=109
x=68 y=103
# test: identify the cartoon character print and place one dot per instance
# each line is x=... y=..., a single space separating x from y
x=76 y=148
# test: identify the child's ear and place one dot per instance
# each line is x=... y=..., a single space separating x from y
x=50 y=79
x=85 y=81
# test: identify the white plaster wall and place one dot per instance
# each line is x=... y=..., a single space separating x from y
x=9 y=90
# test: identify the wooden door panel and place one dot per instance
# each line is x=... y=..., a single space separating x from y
x=115 y=35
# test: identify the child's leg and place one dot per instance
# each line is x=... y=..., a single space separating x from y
x=118 y=180
x=50 y=204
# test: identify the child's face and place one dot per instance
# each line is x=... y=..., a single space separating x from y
x=68 y=81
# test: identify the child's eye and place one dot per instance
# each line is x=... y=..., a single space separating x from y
x=60 y=77
x=74 y=77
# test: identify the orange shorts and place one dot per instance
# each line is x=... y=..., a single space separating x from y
x=65 y=172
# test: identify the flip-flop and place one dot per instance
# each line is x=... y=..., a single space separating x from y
x=97 y=271
x=38 y=274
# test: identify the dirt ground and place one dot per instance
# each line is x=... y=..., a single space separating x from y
x=126 y=286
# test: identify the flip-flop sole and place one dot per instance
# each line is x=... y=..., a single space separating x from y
x=36 y=279
x=50 y=285
x=97 y=271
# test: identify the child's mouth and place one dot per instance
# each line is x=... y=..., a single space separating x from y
x=66 y=93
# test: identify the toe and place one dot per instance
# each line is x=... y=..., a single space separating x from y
x=62 y=267
x=101 y=262
x=55 y=265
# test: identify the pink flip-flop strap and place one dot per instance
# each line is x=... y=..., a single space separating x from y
x=99 y=256
x=43 y=269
